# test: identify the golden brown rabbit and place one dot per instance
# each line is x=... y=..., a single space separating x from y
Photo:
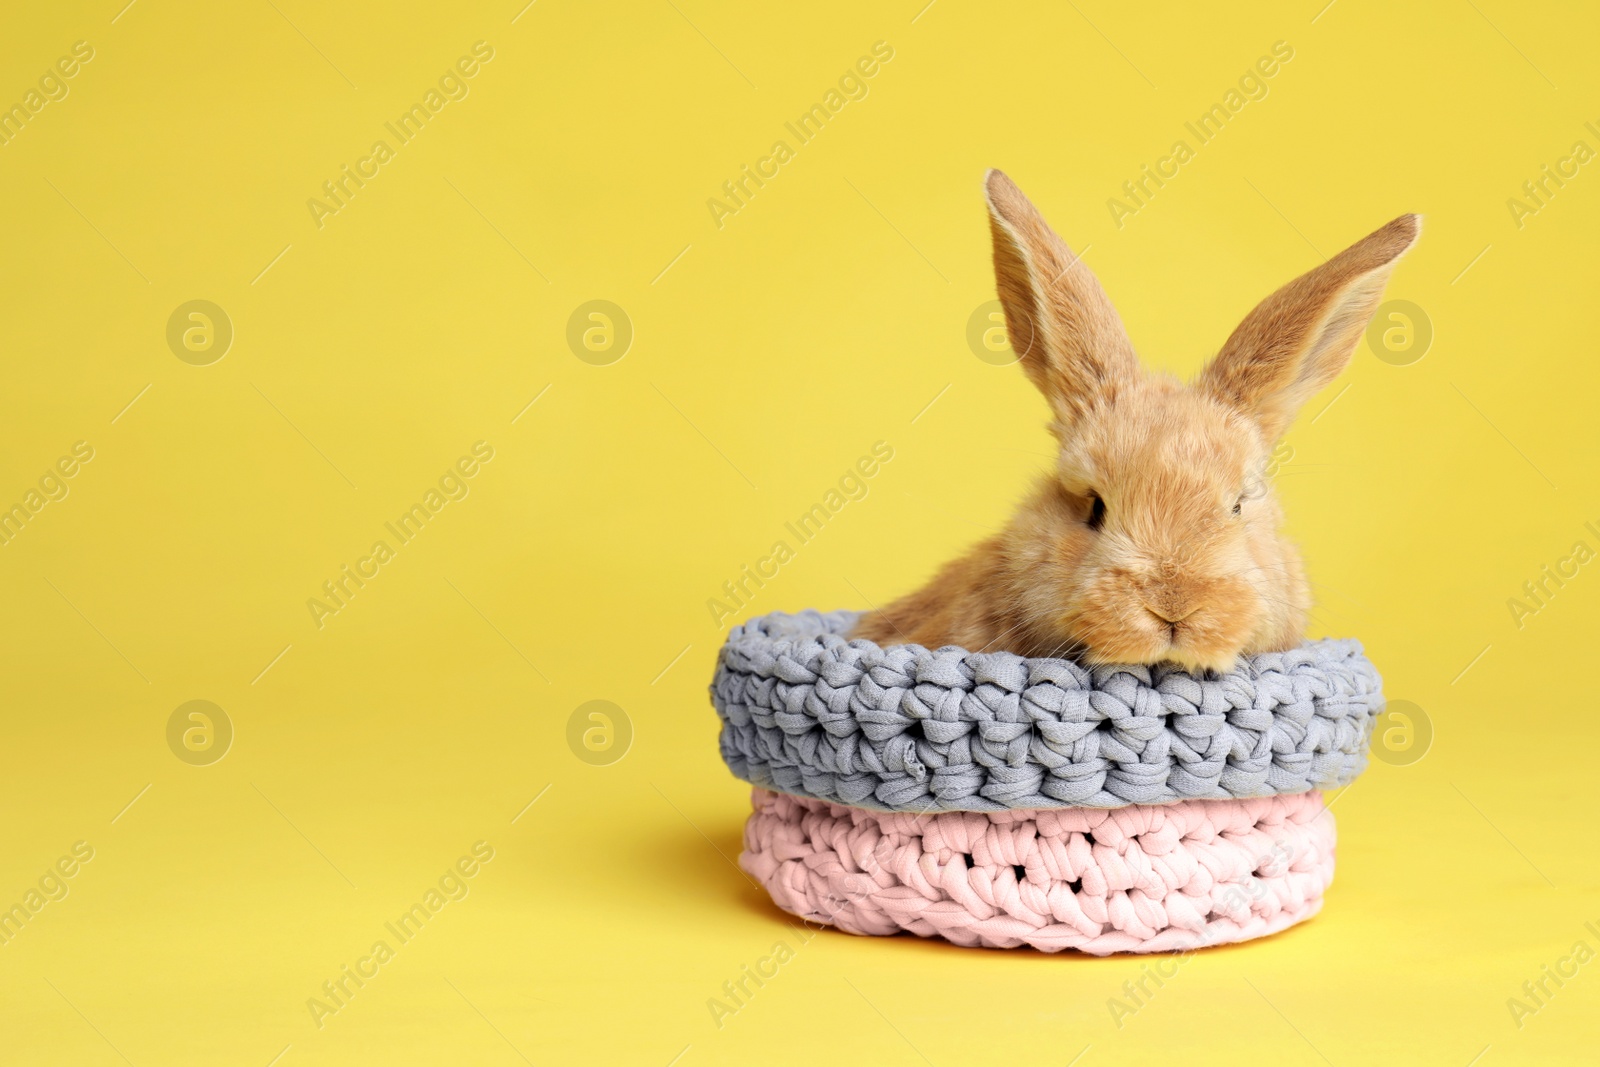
x=1154 y=539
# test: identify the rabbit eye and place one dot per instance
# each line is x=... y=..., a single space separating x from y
x=1238 y=506
x=1097 y=511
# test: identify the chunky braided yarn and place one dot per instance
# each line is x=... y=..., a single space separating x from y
x=1137 y=879
x=905 y=728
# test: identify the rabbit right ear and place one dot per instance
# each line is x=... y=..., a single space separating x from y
x=1059 y=321
x=1297 y=340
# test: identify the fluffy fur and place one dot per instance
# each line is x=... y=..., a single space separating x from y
x=1182 y=558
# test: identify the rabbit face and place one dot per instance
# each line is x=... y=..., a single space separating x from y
x=1175 y=536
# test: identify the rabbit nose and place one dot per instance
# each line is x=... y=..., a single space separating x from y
x=1169 y=613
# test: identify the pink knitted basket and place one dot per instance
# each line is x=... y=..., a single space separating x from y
x=1143 y=878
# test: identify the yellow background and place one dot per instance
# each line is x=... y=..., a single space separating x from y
x=768 y=355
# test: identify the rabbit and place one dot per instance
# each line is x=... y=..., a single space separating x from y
x=1154 y=539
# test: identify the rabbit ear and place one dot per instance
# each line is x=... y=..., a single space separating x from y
x=1298 y=339
x=1058 y=319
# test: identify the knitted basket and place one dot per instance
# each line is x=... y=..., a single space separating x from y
x=1142 y=878
x=995 y=800
x=905 y=728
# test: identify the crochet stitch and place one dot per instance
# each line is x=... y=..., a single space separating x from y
x=1138 y=879
x=905 y=728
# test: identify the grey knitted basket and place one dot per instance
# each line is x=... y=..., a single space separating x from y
x=905 y=728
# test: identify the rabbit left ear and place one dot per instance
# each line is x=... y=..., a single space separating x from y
x=1298 y=339
x=1060 y=322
